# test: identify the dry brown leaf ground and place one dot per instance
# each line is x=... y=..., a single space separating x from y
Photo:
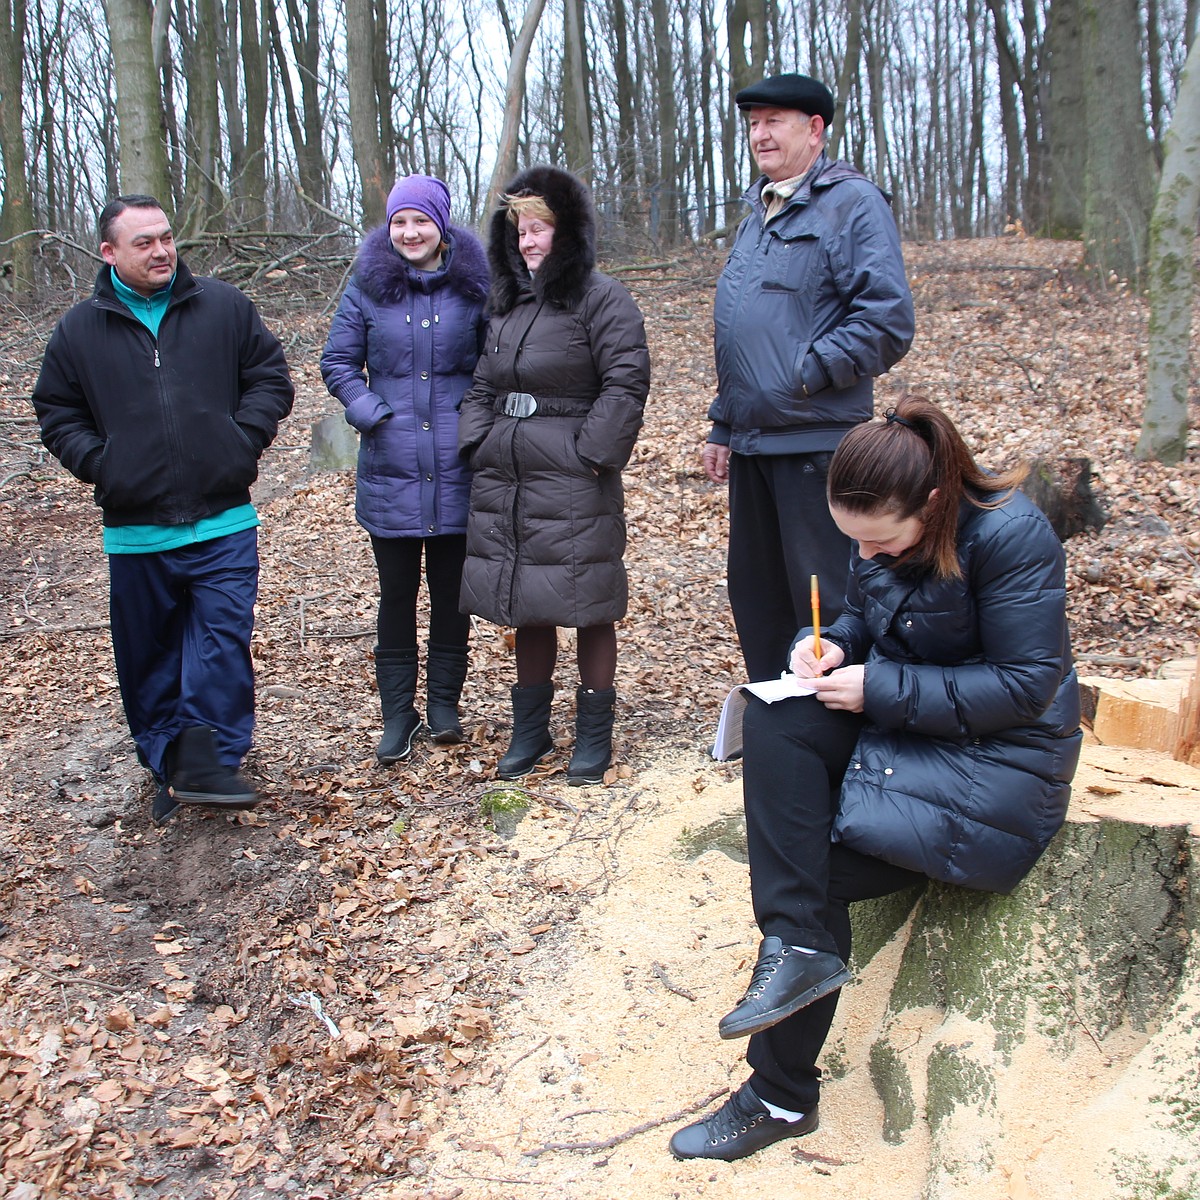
x=165 y=995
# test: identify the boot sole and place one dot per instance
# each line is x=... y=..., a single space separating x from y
x=582 y=780
x=750 y=1025
x=242 y=800
x=524 y=770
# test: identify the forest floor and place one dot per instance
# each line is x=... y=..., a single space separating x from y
x=369 y=985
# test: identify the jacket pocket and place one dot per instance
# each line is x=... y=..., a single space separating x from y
x=127 y=476
x=234 y=461
x=789 y=263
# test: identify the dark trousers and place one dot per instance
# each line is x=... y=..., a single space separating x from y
x=780 y=535
x=181 y=626
x=399 y=563
x=796 y=752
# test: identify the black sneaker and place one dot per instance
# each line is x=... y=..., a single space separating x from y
x=165 y=805
x=740 y=1127
x=784 y=981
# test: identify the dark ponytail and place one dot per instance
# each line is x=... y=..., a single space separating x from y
x=891 y=466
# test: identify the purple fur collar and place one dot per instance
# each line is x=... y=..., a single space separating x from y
x=387 y=278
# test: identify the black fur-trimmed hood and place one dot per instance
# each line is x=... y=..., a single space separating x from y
x=564 y=272
x=386 y=276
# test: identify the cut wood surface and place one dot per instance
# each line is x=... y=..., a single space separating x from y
x=1150 y=714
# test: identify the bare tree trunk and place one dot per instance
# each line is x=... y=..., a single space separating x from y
x=1006 y=62
x=304 y=122
x=1065 y=117
x=668 y=164
x=361 y=38
x=202 y=123
x=1034 y=192
x=253 y=187
x=1158 y=105
x=382 y=68
x=849 y=70
x=1121 y=174
x=16 y=215
x=577 y=120
x=627 y=172
x=139 y=103
x=231 y=103
x=1172 y=278
x=743 y=17
x=514 y=102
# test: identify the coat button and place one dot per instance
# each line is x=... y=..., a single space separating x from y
x=425 y=323
x=424 y=374
x=858 y=766
x=887 y=770
x=428 y=478
x=431 y=528
x=424 y=424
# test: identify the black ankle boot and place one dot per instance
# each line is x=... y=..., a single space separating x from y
x=396 y=674
x=593 y=736
x=531 y=740
x=198 y=775
x=445 y=671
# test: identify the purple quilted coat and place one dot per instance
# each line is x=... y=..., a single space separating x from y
x=400 y=354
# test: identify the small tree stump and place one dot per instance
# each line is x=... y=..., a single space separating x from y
x=1062 y=489
x=334 y=445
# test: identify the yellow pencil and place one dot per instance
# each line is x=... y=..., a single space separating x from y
x=816 y=607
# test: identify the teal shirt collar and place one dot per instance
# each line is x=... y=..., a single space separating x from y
x=148 y=309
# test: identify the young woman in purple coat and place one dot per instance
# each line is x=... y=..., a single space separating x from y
x=401 y=352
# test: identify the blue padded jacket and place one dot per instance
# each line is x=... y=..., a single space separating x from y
x=964 y=767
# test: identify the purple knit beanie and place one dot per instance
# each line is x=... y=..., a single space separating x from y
x=424 y=193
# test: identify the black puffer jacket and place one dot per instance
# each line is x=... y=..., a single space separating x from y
x=546 y=531
x=168 y=429
x=964 y=769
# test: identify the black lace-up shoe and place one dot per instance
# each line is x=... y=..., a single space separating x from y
x=784 y=981
x=739 y=1127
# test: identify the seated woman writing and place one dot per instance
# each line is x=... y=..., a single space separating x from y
x=940 y=743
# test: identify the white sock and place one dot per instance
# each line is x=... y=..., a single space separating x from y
x=782 y=1114
x=802 y=949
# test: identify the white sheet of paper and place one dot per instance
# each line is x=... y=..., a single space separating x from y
x=728 y=741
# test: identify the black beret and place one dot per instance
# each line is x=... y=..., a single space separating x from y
x=789 y=91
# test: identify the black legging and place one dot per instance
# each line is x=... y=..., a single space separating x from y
x=795 y=754
x=399 y=563
x=595 y=653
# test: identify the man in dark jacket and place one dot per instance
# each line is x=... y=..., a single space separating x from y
x=162 y=391
x=812 y=305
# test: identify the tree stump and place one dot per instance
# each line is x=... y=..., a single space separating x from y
x=1071 y=1005
x=334 y=445
x=1062 y=489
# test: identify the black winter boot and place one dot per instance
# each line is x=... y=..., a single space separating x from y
x=531 y=740
x=199 y=777
x=593 y=736
x=396 y=674
x=445 y=671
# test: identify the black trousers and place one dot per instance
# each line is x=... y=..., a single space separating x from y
x=780 y=535
x=399 y=563
x=796 y=752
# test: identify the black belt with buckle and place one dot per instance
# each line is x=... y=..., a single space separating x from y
x=518 y=404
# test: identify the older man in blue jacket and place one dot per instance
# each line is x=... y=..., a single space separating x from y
x=813 y=304
x=162 y=390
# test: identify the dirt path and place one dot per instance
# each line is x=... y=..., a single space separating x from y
x=616 y=1026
